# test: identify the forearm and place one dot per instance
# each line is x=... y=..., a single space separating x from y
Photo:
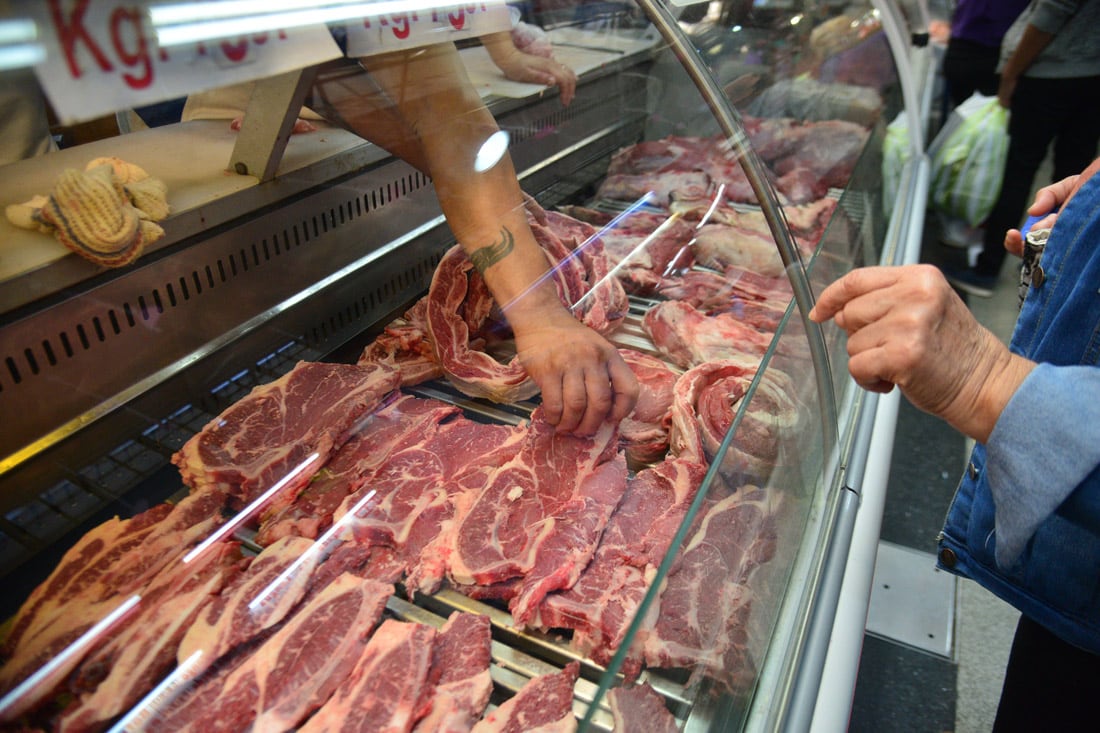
x=978 y=406
x=483 y=203
x=1031 y=45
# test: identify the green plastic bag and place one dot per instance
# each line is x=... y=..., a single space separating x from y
x=896 y=153
x=968 y=160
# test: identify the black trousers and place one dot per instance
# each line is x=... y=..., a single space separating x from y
x=1063 y=111
x=970 y=67
x=1049 y=685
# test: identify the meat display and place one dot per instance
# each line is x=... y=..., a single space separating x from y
x=639 y=709
x=544 y=704
x=604 y=600
x=459 y=680
x=703 y=619
x=644 y=432
x=264 y=599
x=286 y=428
x=706 y=401
x=544 y=511
x=386 y=689
x=689 y=337
x=802 y=159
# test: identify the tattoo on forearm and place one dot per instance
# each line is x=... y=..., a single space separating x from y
x=489 y=255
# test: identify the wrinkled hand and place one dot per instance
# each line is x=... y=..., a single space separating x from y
x=525 y=67
x=584 y=380
x=907 y=327
x=1048 y=200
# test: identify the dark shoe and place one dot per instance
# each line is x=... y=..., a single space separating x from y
x=971 y=282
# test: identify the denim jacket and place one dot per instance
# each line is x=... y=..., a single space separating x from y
x=1025 y=520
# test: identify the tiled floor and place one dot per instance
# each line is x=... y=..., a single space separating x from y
x=902 y=687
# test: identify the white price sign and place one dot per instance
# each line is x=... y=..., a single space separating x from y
x=408 y=28
x=102 y=56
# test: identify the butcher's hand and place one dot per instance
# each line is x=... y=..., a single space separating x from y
x=583 y=379
x=907 y=327
x=528 y=68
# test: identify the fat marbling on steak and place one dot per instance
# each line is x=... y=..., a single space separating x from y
x=401 y=422
x=292 y=673
x=539 y=516
x=544 y=704
x=387 y=689
x=601 y=605
x=272 y=431
x=459 y=681
x=703 y=622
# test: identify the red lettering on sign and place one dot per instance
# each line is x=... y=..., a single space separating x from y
x=401 y=26
x=71 y=31
x=123 y=19
x=235 y=52
x=457 y=18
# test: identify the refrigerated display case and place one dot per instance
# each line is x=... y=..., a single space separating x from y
x=718 y=165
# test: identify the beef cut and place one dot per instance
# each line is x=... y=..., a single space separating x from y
x=414 y=490
x=641 y=246
x=132 y=660
x=544 y=704
x=689 y=337
x=293 y=672
x=703 y=622
x=113 y=562
x=707 y=398
x=401 y=422
x=639 y=709
x=254 y=601
x=644 y=432
x=406 y=346
x=459 y=679
x=271 y=433
x=387 y=689
x=605 y=599
x=539 y=516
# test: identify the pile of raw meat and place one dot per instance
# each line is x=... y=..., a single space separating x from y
x=351 y=484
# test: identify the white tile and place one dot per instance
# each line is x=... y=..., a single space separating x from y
x=912 y=602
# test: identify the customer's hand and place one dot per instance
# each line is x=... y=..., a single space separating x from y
x=1048 y=201
x=907 y=327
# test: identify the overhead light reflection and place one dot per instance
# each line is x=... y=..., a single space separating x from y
x=59 y=664
x=202 y=21
x=231 y=526
x=645 y=199
x=19 y=45
x=321 y=548
x=142 y=714
x=491 y=151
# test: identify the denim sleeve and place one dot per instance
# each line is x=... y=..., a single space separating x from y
x=1045 y=443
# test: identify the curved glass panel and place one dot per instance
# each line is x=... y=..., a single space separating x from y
x=302 y=470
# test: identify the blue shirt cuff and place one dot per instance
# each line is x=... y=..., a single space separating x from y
x=1043 y=446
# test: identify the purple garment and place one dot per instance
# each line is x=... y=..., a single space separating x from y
x=985 y=21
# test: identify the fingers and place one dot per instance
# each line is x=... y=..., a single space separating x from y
x=566 y=80
x=584 y=385
x=1014 y=242
x=594 y=394
x=624 y=387
x=855 y=284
